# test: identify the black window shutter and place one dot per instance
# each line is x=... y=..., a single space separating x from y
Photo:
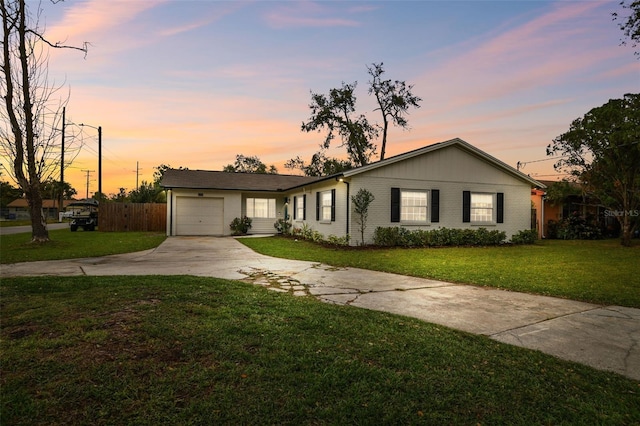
x=435 y=205
x=466 y=206
x=333 y=205
x=395 y=204
x=304 y=207
x=317 y=205
x=500 y=210
x=295 y=207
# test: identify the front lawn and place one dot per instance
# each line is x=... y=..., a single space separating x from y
x=593 y=271
x=65 y=244
x=188 y=350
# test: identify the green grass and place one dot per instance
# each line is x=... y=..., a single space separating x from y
x=188 y=350
x=594 y=271
x=11 y=223
x=65 y=244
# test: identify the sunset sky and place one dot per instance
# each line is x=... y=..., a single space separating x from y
x=193 y=83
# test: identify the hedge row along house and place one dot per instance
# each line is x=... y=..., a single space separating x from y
x=450 y=184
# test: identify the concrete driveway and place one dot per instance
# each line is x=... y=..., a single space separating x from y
x=604 y=337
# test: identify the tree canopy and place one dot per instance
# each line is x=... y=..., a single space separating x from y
x=602 y=151
x=630 y=24
x=335 y=114
x=251 y=164
x=320 y=165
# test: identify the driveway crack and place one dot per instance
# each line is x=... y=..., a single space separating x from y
x=511 y=331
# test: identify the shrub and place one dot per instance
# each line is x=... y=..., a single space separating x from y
x=391 y=237
x=527 y=236
x=282 y=226
x=338 y=241
x=306 y=233
x=575 y=227
x=240 y=226
x=441 y=237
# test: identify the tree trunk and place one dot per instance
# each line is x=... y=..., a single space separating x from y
x=39 y=232
x=626 y=228
x=384 y=137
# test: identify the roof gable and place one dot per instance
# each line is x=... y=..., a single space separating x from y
x=465 y=146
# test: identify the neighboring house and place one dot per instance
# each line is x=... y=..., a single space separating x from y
x=19 y=209
x=450 y=184
x=547 y=212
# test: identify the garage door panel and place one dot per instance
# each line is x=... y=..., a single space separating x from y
x=199 y=216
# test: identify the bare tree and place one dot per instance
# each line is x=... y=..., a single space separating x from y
x=31 y=117
x=394 y=100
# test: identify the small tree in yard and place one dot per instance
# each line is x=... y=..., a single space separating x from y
x=361 y=202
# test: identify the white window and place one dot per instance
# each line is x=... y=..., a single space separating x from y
x=261 y=208
x=325 y=206
x=300 y=207
x=481 y=207
x=413 y=206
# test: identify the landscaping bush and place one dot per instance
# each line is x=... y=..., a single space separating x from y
x=282 y=226
x=337 y=241
x=441 y=237
x=574 y=227
x=527 y=236
x=391 y=237
x=306 y=233
x=240 y=226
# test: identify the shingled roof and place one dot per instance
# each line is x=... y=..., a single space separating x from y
x=204 y=179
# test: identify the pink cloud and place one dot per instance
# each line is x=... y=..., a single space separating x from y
x=306 y=14
x=96 y=16
x=220 y=12
x=541 y=52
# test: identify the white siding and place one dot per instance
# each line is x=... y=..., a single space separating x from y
x=452 y=171
x=265 y=225
x=230 y=200
x=338 y=227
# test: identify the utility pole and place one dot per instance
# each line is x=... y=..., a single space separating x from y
x=64 y=123
x=137 y=173
x=88 y=172
x=100 y=162
x=99 y=129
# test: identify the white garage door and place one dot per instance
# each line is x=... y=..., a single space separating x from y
x=199 y=216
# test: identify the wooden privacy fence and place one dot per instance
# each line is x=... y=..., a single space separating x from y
x=119 y=217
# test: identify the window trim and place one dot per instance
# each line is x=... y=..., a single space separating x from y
x=497 y=207
x=491 y=209
x=272 y=207
x=432 y=207
x=320 y=207
x=423 y=209
x=303 y=209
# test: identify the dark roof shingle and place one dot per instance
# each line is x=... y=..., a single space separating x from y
x=204 y=179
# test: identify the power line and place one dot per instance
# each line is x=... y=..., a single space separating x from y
x=520 y=164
